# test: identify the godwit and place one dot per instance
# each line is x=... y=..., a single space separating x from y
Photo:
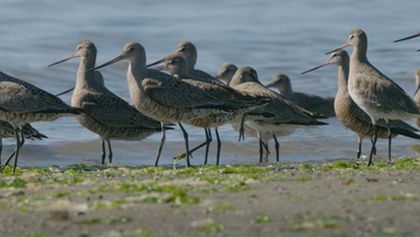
x=170 y=100
x=7 y=131
x=22 y=102
x=372 y=91
x=352 y=116
x=176 y=65
x=188 y=50
x=226 y=72
x=267 y=118
x=307 y=101
x=105 y=113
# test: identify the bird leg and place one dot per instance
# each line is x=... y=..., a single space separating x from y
x=359 y=152
x=110 y=152
x=389 y=141
x=375 y=138
x=219 y=146
x=241 y=129
x=103 y=152
x=1 y=149
x=187 y=150
x=207 y=143
x=277 y=146
x=162 y=141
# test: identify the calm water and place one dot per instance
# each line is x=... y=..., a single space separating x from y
x=272 y=36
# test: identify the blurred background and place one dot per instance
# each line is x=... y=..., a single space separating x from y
x=272 y=36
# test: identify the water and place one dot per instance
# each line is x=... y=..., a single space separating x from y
x=272 y=36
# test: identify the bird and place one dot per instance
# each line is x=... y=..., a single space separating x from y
x=176 y=65
x=354 y=118
x=376 y=94
x=22 y=103
x=307 y=101
x=106 y=114
x=188 y=50
x=268 y=118
x=170 y=100
x=226 y=72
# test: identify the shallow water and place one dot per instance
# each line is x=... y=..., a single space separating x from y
x=272 y=36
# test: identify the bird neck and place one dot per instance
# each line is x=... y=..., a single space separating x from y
x=343 y=73
x=86 y=77
x=359 y=54
x=135 y=76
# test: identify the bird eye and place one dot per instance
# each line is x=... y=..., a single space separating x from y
x=182 y=49
x=130 y=49
x=351 y=36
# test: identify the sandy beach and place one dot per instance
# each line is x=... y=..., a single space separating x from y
x=340 y=198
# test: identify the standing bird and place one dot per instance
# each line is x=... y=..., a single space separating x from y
x=170 y=100
x=268 y=118
x=376 y=94
x=106 y=114
x=353 y=117
x=176 y=65
x=22 y=103
x=314 y=103
x=226 y=73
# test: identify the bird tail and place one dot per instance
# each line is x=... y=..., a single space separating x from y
x=405 y=132
x=32 y=133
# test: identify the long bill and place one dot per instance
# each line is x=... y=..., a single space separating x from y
x=64 y=60
x=116 y=59
x=317 y=67
x=407 y=38
x=155 y=63
x=418 y=89
x=345 y=45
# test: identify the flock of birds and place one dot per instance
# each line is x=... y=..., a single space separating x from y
x=172 y=91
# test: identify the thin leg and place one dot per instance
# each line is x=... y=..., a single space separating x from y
x=187 y=148
x=389 y=141
x=103 y=152
x=261 y=149
x=12 y=155
x=241 y=129
x=162 y=141
x=375 y=137
x=18 y=145
x=359 y=151
x=266 y=148
x=277 y=146
x=208 y=140
x=219 y=146
x=1 y=149
x=109 y=151
x=374 y=148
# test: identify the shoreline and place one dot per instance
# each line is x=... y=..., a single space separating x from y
x=332 y=198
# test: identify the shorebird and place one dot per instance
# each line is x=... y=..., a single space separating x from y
x=353 y=117
x=188 y=50
x=268 y=118
x=176 y=65
x=170 y=100
x=22 y=102
x=7 y=131
x=226 y=72
x=106 y=114
x=307 y=101
x=376 y=94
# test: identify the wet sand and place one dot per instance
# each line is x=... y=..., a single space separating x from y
x=340 y=198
